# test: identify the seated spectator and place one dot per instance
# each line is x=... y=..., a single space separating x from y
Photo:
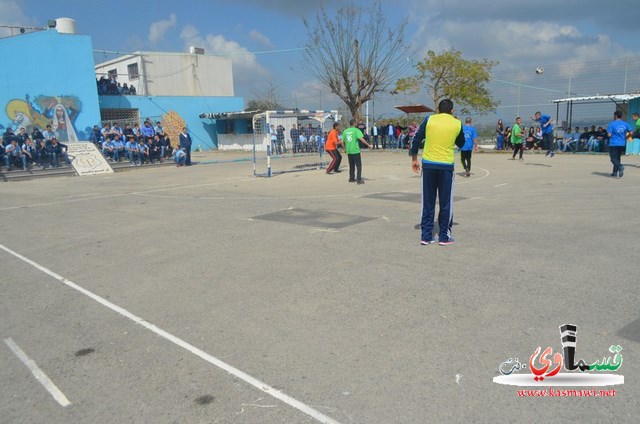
x=530 y=140
x=136 y=130
x=116 y=130
x=119 y=144
x=22 y=136
x=7 y=136
x=168 y=149
x=49 y=134
x=572 y=139
x=29 y=150
x=179 y=157
x=147 y=130
x=13 y=154
x=133 y=152
x=57 y=151
x=158 y=129
x=156 y=147
x=96 y=137
x=2 y=160
x=144 y=151
x=592 y=143
x=41 y=152
x=127 y=131
x=36 y=135
x=109 y=150
x=603 y=139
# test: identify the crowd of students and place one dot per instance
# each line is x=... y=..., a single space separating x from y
x=109 y=86
x=138 y=145
x=22 y=150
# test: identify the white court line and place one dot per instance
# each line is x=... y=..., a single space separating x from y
x=77 y=195
x=317 y=415
x=500 y=185
x=38 y=374
x=34 y=205
x=106 y=196
x=475 y=179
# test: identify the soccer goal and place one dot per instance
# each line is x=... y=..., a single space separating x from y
x=290 y=140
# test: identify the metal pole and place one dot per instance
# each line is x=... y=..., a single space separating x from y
x=359 y=103
x=367 y=115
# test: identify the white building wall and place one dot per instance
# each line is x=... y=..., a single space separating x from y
x=172 y=74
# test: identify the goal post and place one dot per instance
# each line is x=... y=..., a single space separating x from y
x=290 y=140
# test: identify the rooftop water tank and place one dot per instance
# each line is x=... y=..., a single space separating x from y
x=66 y=25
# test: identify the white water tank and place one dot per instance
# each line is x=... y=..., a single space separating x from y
x=66 y=25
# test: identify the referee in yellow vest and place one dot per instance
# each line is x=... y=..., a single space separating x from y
x=440 y=132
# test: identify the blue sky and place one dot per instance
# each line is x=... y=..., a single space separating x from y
x=264 y=36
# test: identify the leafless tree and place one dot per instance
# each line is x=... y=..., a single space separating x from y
x=355 y=53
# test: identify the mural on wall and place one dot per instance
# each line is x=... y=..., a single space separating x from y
x=172 y=124
x=60 y=112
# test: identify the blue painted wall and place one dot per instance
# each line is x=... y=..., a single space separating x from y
x=188 y=108
x=48 y=71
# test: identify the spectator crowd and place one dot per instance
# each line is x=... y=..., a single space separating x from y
x=139 y=145
x=23 y=150
x=109 y=86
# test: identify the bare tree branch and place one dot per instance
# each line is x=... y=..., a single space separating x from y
x=330 y=53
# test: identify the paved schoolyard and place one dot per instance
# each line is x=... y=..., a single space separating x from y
x=204 y=295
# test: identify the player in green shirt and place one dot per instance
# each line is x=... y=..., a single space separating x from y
x=636 y=118
x=351 y=138
x=516 y=138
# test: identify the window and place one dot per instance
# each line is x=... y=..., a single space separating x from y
x=133 y=71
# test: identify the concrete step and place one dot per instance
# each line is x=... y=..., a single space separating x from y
x=17 y=174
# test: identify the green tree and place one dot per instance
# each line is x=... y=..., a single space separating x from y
x=355 y=53
x=449 y=75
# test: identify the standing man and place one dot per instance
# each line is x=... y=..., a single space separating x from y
x=470 y=140
x=374 y=134
x=331 y=146
x=185 y=143
x=617 y=131
x=516 y=138
x=441 y=132
x=351 y=137
x=547 y=132
x=391 y=136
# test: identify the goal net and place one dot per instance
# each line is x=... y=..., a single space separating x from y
x=290 y=141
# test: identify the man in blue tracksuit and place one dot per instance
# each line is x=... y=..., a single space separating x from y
x=547 y=132
x=470 y=140
x=441 y=132
x=618 y=130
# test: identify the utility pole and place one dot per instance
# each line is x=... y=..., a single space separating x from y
x=359 y=102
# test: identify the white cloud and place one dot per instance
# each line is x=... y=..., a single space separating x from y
x=158 y=29
x=11 y=13
x=514 y=43
x=246 y=69
x=259 y=37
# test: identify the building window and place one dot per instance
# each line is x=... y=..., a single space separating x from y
x=133 y=71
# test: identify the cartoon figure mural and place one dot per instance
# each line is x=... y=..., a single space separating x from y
x=59 y=112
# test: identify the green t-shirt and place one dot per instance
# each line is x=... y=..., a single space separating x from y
x=516 y=139
x=638 y=125
x=350 y=138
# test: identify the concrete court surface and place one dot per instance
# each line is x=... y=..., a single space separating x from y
x=318 y=289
